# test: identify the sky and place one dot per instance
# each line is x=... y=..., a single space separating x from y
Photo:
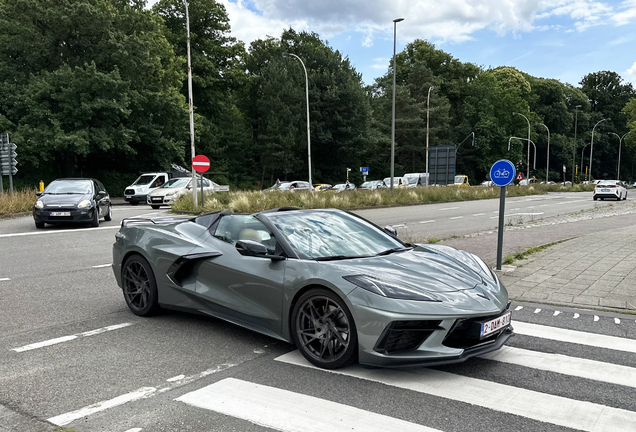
x=560 y=39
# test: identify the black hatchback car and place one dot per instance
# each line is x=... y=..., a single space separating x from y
x=72 y=200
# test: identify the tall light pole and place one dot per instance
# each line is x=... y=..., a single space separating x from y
x=308 y=135
x=576 y=118
x=547 y=164
x=582 y=150
x=528 y=168
x=620 y=144
x=428 y=98
x=194 y=175
x=592 y=145
x=395 y=21
x=533 y=145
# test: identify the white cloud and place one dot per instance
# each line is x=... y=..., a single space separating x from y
x=630 y=74
x=627 y=15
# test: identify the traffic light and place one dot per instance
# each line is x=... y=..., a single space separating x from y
x=8 y=161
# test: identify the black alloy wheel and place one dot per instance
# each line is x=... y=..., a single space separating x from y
x=140 y=286
x=109 y=214
x=323 y=329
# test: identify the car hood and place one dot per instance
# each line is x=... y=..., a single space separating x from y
x=429 y=269
x=166 y=191
x=64 y=200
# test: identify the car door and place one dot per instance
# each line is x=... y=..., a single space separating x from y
x=243 y=289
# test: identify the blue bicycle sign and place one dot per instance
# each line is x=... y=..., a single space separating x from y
x=502 y=172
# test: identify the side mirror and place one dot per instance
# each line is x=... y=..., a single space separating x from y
x=39 y=193
x=390 y=231
x=251 y=248
x=189 y=187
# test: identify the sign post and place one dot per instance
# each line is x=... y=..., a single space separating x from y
x=502 y=173
x=200 y=164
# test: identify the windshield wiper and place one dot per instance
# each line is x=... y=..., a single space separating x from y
x=340 y=257
x=390 y=251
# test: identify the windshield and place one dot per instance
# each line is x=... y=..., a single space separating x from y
x=177 y=183
x=459 y=179
x=321 y=234
x=367 y=184
x=144 y=180
x=412 y=180
x=69 y=187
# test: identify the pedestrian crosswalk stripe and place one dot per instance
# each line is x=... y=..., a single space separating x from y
x=575 y=414
x=287 y=411
x=574 y=336
x=578 y=367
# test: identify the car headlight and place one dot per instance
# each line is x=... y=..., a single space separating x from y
x=170 y=194
x=39 y=204
x=84 y=204
x=400 y=291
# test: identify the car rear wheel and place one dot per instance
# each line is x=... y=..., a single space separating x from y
x=323 y=329
x=140 y=286
x=109 y=214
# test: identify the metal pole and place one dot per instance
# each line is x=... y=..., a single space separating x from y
x=190 y=103
x=502 y=208
x=528 y=160
x=308 y=128
x=547 y=169
x=620 y=144
x=582 y=150
x=576 y=118
x=395 y=21
x=592 y=146
x=427 y=117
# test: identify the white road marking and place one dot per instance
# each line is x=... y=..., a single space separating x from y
x=556 y=313
x=479 y=214
x=69 y=337
x=58 y=231
x=570 y=202
x=177 y=378
x=582 y=368
x=399 y=226
x=543 y=205
x=596 y=318
x=558 y=410
x=448 y=208
x=537 y=310
x=617 y=321
x=576 y=337
x=285 y=411
x=4 y=279
x=64 y=419
x=576 y=316
x=427 y=221
x=102 y=265
x=456 y=217
x=518 y=308
x=531 y=207
x=134 y=430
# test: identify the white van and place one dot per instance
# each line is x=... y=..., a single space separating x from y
x=398 y=182
x=416 y=179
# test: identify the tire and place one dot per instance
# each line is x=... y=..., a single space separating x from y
x=39 y=225
x=323 y=329
x=155 y=206
x=134 y=203
x=109 y=214
x=95 y=221
x=625 y=196
x=140 y=286
x=595 y=198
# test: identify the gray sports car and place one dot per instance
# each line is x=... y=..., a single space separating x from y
x=337 y=286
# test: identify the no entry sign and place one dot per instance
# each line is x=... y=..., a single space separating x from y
x=200 y=163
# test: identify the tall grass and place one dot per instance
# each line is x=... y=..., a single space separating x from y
x=19 y=201
x=255 y=201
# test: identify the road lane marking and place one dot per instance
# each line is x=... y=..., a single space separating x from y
x=571 y=202
x=427 y=221
x=58 y=231
x=456 y=217
x=543 y=205
x=617 y=321
x=284 y=410
x=537 y=310
x=399 y=226
x=479 y=214
x=519 y=214
x=102 y=265
x=177 y=378
x=556 y=313
x=596 y=318
x=544 y=407
x=64 y=419
x=577 y=337
x=576 y=316
x=518 y=308
x=134 y=430
x=448 y=208
x=573 y=366
x=4 y=279
x=69 y=338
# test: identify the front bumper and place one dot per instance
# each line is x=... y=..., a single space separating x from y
x=72 y=215
x=158 y=200
x=135 y=198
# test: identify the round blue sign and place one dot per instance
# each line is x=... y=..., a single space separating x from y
x=502 y=172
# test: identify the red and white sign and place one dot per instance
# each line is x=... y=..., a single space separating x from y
x=201 y=163
x=519 y=176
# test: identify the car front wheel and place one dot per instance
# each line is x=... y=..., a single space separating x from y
x=323 y=329
x=109 y=214
x=140 y=286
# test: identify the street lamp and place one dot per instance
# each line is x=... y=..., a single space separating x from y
x=582 y=150
x=395 y=21
x=308 y=135
x=190 y=103
x=528 y=169
x=428 y=98
x=534 y=166
x=620 y=144
x=592 y=145
x=576 y=118
x=547 y=164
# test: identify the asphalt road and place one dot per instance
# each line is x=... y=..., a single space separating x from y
x=72 y=355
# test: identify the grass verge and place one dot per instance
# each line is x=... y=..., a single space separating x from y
x=19 y=201
x=509 y=259
x=255 y=201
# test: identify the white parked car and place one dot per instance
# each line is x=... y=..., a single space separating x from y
x=610 y=189
x=296 y=185
x=343 y=187
x=173 y=189
x=487 y=183
x=415 y=179
x=373 y=185
x=398 y=182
